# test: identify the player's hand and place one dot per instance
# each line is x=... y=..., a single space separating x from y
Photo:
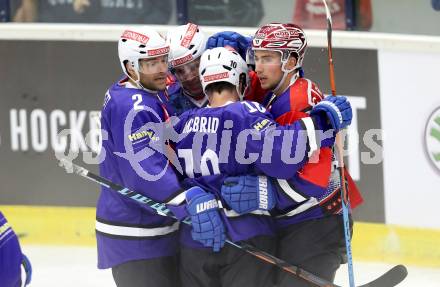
x=248 y=193
x=337 y=110
x=207 y=225
x=235 y=40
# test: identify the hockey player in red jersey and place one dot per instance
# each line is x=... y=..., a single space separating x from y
x=308 y=219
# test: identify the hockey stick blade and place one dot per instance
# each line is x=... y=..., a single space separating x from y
x=391 y=278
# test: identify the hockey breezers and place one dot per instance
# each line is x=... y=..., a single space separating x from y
x=391 y=278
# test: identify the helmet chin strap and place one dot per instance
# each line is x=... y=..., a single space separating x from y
x=286 y=73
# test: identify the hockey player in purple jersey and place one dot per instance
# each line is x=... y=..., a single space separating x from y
x=187 y=43
x=232 y=138
x=139 y=245
x=15 y=268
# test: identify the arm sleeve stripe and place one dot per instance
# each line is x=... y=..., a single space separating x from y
x=311 y=135
x=284 y=185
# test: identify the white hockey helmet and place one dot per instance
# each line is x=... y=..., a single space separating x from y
x=224 y=65
x=187 y=43
x=140 y=43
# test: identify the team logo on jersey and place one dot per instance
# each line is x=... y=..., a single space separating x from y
x=131 y=35
x=432 y=138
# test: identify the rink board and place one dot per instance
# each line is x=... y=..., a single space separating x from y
x=74 y=226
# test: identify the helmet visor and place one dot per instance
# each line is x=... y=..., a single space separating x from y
x=266 y=58
x=156 y=65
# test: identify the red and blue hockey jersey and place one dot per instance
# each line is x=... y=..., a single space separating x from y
x=309 y=193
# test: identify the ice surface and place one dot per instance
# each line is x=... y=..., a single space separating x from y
x=76 y=266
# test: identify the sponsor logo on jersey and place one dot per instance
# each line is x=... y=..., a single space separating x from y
x=432 y=138
x=261 y=125
x=131 y=35
x=181 y=61
x=134 y=137
x=189 y=35
x=263 y=201
x=210 y=204
x=159 y=51
x=215 y=77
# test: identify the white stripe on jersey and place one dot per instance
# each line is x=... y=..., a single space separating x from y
x=232 y=213
x=303 y=207
x=311 y=134
x=290 y=191
x=135 y=231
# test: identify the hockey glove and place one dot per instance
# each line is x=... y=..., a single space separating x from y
x=337 y=110
x=207 y=226
x=248 y=193
x=235 y=40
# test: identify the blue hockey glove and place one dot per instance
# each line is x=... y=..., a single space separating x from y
x=435 y=5
x=207 y=226
x=28 y=269
x=228 y=38
x=337 y=109
x=247 y=193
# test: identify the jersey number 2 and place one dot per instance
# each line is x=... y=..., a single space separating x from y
x=137 y=98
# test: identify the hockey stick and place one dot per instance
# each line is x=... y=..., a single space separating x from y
x=397 y=273
x=389 y=279
x=339 y=148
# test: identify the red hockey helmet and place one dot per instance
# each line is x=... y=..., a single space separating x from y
x=285 y=38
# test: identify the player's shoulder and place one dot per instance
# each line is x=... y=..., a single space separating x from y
x=245 y=109
x=306 y=90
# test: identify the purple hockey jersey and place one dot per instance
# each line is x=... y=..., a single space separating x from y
x=125 y=230
x=10 y=256
x=235 y=139
x=180 y=101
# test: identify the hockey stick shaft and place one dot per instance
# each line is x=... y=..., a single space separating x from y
x=399 y=272
x=340 y=154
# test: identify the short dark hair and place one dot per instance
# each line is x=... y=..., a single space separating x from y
x=219 y=87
